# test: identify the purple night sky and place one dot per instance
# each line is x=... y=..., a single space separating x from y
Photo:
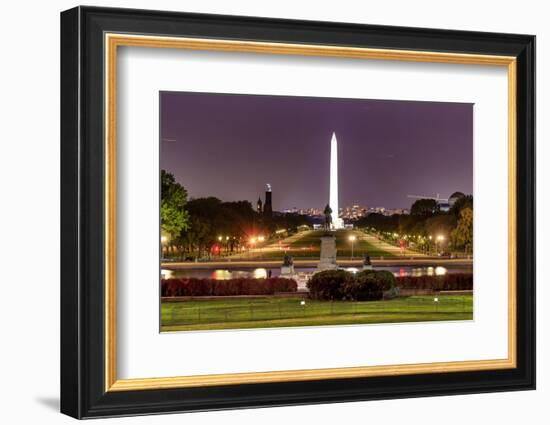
x=230 y=146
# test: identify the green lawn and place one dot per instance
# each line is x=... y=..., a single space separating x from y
x=267 y=312
x=308 y=245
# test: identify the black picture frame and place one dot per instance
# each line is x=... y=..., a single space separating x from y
x=83 y=392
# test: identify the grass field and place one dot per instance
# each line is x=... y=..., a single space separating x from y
x=268 y=312
x=308 y=245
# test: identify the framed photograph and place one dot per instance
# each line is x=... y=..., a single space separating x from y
x=261 y=212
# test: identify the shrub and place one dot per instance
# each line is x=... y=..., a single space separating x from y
x=448 y=282
x=193 y=287
x=370 y=285
x=329 y=284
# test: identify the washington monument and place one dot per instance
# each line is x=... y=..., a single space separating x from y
x=337 y=222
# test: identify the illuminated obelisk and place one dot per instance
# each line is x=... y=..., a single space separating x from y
x=337 y=223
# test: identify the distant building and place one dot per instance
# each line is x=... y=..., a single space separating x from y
x=387 y=211
x=444 y=206
x=259 y=205
x=312 y=212
x=353 y=212
x=268 y=207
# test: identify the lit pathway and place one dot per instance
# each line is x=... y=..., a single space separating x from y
x=274 y=246
x=385 y=246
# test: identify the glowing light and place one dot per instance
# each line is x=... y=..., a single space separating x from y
x=440 y=238
x=352 y=238
x=440 y=271
x=252 y=240
x=337 y=222
x=221 y=274
x=220 y=238
x=259 y=273
x=261 y=238
x=166 y=274
x=164 y=239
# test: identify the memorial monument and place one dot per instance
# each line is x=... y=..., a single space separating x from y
x=328 y=253
x=287 y=269
x=337 y=222
x=367 y=265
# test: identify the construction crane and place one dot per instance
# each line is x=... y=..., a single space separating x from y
x=442 y=202
x=435 y=198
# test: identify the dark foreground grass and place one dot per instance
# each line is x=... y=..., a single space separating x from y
x=268 y=312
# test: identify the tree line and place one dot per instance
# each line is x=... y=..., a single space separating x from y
x=193 y=228
x=427 y=220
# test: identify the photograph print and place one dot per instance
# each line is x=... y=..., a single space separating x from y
x=290 y=211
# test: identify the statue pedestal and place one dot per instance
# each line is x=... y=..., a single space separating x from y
x=287 y=270
x=328 y=254
x=367 y=267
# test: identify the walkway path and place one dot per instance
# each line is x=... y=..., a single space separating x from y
x=270 y=247
x=306 y=244
x=385 y=246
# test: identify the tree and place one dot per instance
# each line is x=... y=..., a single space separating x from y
x=228 y=224
x=174 y=218
x=424 y=207
x=198 y=236
x=328 y=216
x=380 y=222
x=463 y=235
x=466 y=201
x=440 y=225
x=456 y=196
x=409 y=223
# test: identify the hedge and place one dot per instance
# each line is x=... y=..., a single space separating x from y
x=194 y=287
x=329 y=284
x=448 y=282
x=370 y=285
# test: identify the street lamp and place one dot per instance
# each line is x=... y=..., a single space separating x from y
x=163 y=240
x=352 y=239
x=439 y=239
x=252 y=243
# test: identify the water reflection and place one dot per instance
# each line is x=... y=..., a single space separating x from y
x=167 y=274
x=428 y=271
x=262 y=273
x=352 y=269
x=259 y=273
x=221 y=275
x=440 y=271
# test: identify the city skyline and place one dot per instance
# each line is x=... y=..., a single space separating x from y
x=231 y=146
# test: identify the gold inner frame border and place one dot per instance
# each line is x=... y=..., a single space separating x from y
x=112 y=41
